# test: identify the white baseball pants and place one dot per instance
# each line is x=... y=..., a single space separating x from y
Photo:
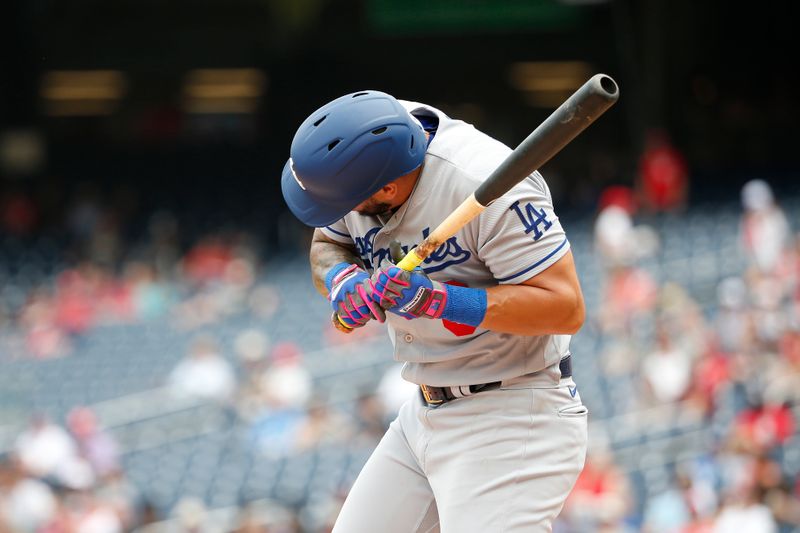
x=497 y=461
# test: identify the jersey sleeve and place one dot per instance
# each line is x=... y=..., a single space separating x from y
x=519 y=234
x=337 y=232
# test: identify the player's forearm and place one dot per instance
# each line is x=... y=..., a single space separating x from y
x=326 y=254
x=550 y=303
x=528 y=310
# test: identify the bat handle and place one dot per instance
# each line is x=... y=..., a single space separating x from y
x=339 y=324
x=411 y=261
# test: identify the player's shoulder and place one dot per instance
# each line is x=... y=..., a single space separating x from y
x=532 y=189
x=462 y=151
x=459 y=147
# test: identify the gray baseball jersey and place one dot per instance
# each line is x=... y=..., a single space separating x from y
x=515 y=238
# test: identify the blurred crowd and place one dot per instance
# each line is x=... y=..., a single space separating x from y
x=65 y=479
x=744 y=359
x=70 y=479
x=739 y=355
x=60 y=480
x=99 y=280
x=64 y=476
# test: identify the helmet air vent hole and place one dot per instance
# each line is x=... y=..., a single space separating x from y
x=332 y=145
x=412 y=143
x=319 y=121
x=379 y=131
x=359 y=94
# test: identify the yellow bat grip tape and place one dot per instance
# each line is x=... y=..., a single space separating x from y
x=410 y=261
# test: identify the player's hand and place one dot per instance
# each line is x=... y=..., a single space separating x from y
x=351 y=297
x=408 y=294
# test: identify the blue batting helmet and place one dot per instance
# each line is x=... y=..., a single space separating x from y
x=345 y=151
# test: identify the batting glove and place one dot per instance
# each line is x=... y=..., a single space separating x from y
x=408 y=294
x=350 y=294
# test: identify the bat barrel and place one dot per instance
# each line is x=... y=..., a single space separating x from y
x=608 y=85
x=585 y=105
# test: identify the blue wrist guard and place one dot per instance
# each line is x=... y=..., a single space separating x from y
x=335 y=269
x=465 y=305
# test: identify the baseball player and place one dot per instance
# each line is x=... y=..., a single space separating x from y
x=497 y=436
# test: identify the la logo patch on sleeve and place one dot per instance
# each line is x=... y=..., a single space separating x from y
x=532 y=218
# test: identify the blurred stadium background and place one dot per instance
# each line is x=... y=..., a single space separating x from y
x=165 y=364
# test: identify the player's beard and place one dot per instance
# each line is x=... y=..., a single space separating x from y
x=374 y=208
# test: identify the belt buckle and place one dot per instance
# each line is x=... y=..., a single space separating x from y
x=427 y=395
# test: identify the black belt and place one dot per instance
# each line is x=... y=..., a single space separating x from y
x=434 y=396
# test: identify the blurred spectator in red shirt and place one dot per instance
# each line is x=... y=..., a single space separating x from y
x=208 y=260
x=601 y=498
x=711 y=374
x=74 y=302
x=764 y=426
x=663 y=174
x=620 y=196
x=629 y=293
x=790 y=347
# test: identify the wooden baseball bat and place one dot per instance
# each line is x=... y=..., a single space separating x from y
x=585 y=105
x=577 y=112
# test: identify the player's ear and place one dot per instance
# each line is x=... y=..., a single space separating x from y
x=389 y=191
